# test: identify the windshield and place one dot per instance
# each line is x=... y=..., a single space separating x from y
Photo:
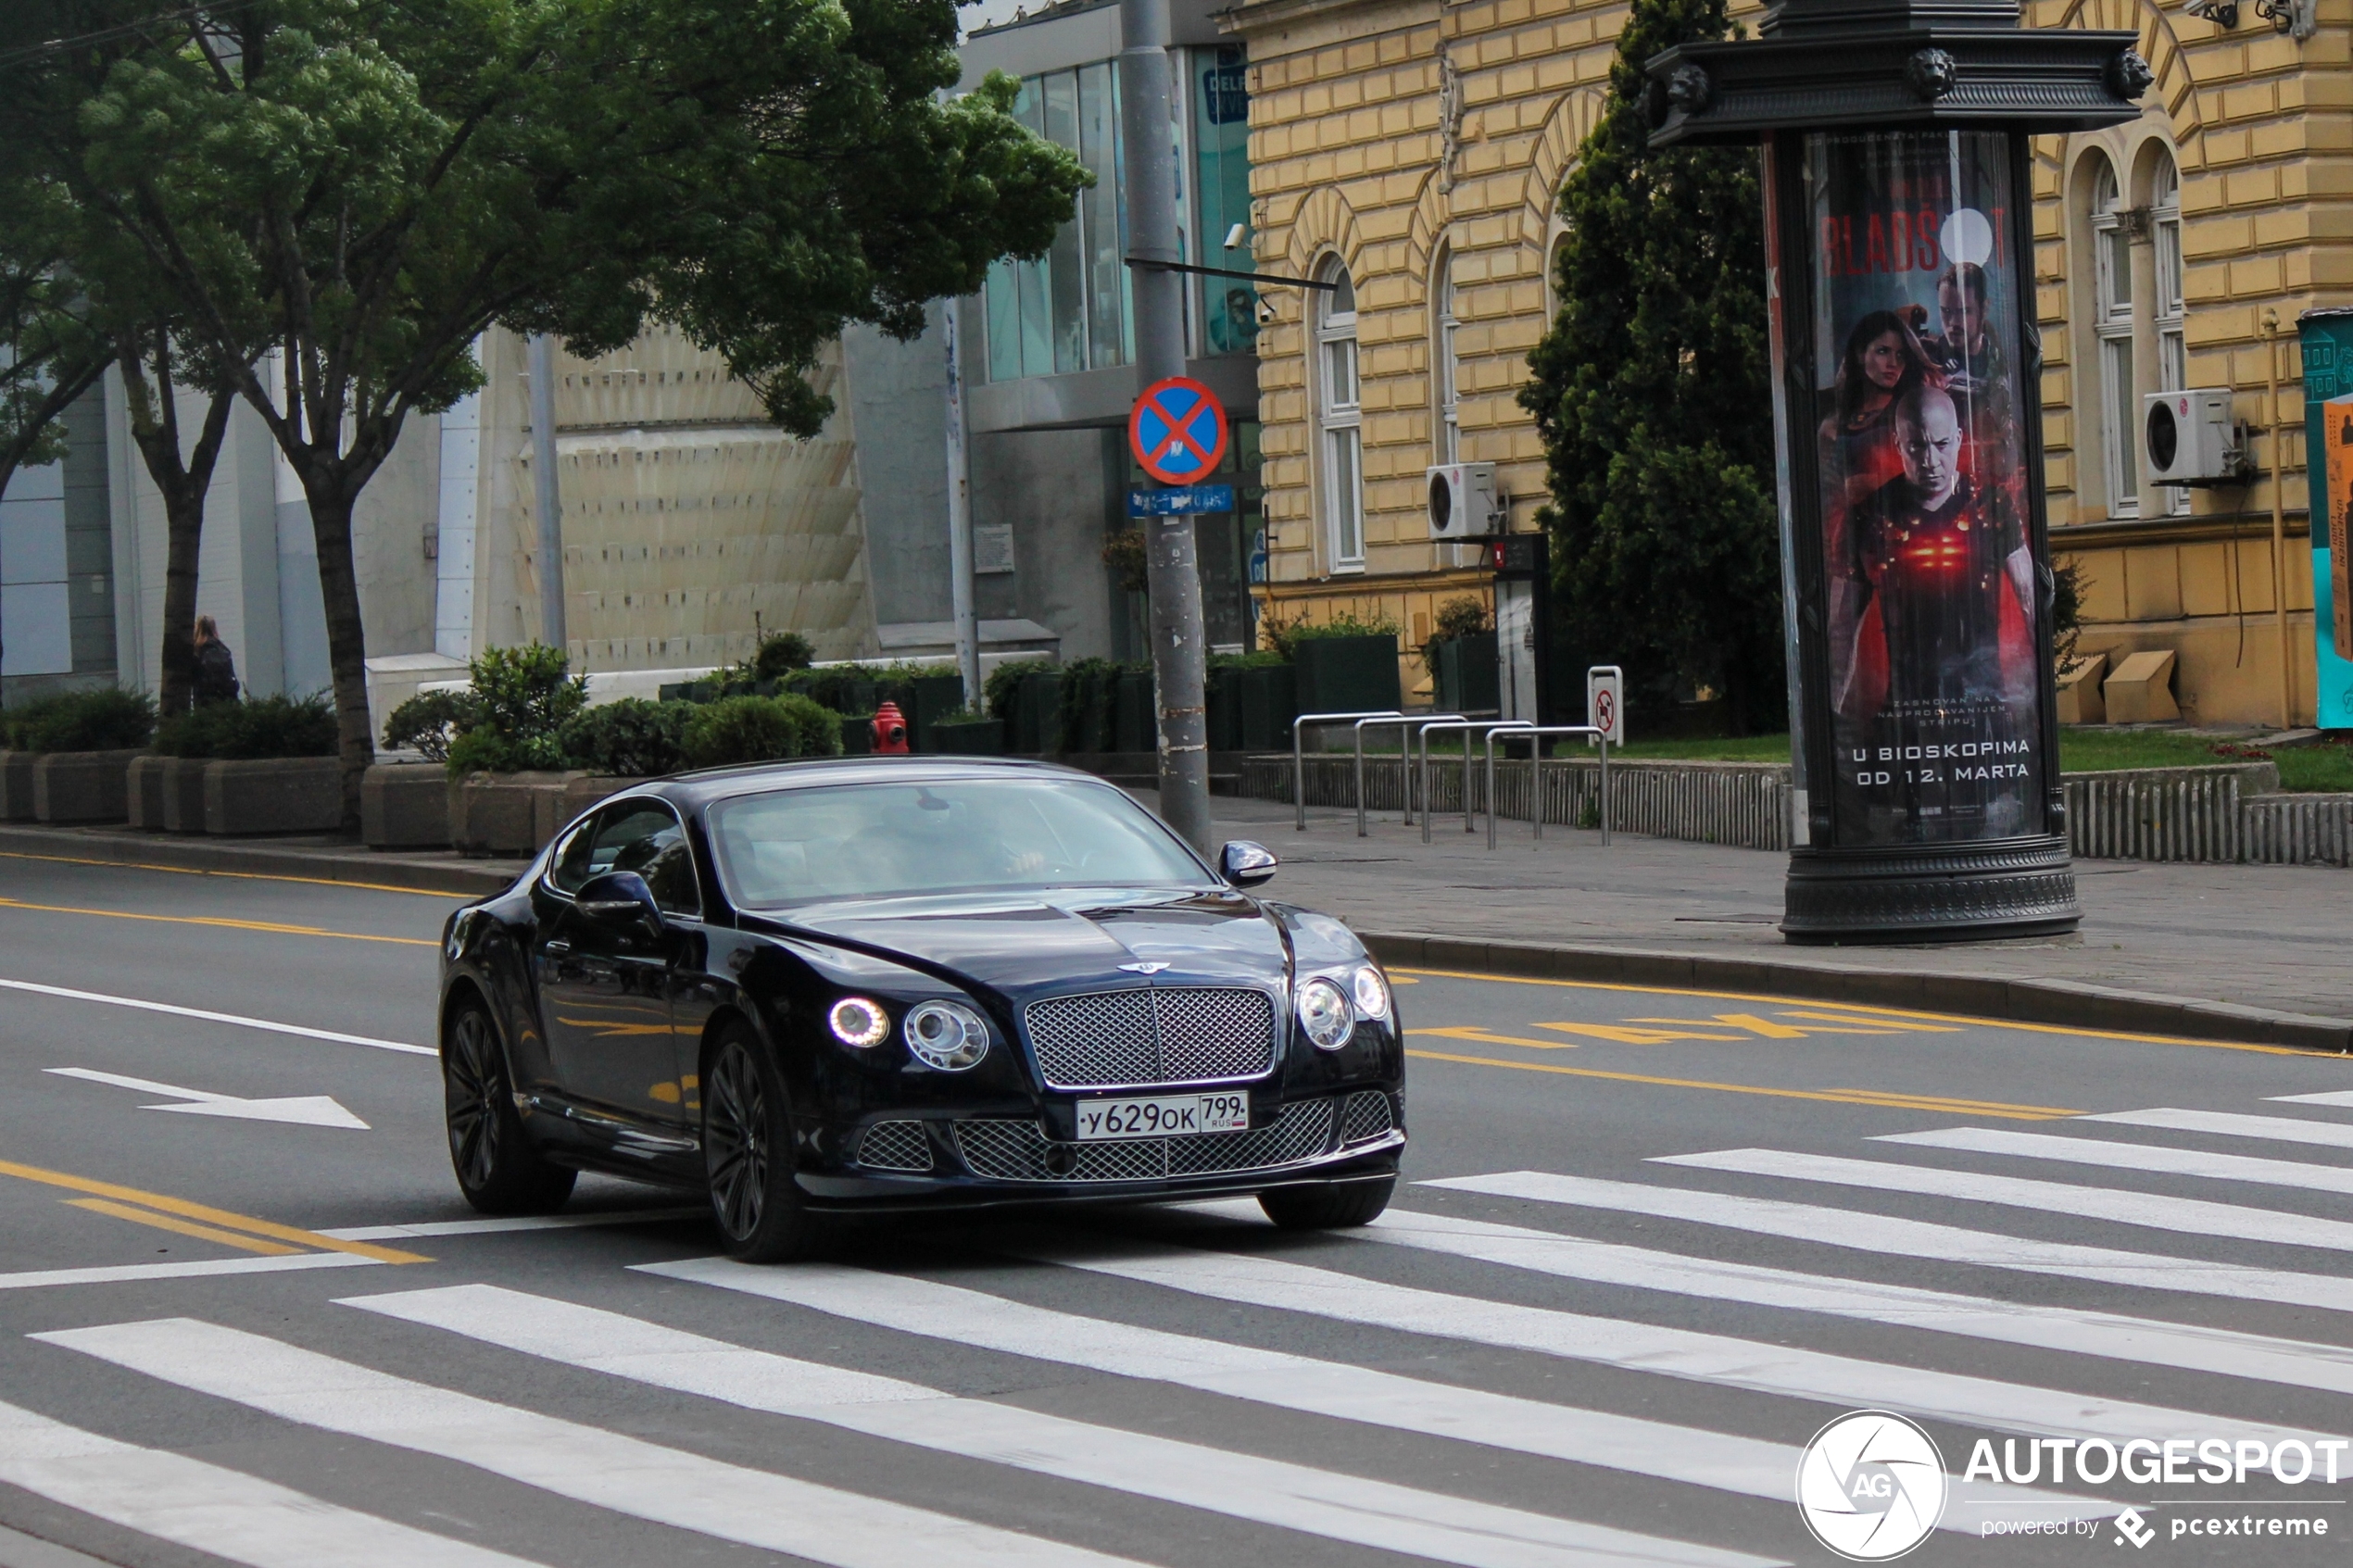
x=884 y=840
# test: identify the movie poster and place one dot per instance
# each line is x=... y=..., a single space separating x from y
x=1935 y=685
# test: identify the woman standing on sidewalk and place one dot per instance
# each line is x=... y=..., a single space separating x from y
x=216 y=667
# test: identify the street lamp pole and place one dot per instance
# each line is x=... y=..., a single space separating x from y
x=547 y=496
x=1172 y=572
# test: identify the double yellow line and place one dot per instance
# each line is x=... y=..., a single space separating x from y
x=184 y=1217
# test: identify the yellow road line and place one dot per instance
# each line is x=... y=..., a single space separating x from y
x=248 y=876
x=182 y=1227
x=274 y=927
x=1871 y=1007
x=186 y=1209
x=1892 y=1101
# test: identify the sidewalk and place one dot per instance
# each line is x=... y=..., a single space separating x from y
x=2229 y=951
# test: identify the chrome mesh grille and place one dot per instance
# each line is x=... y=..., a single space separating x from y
x=895 y=1146
x=1365 y=1117
x=1117 y=1040
x=1007 y=1150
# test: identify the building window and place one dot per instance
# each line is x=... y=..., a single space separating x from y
x=1445 y=370
x=2172 y=350
x=1069 y=310
x=1341 y=418
x=1221 y=143
x=2112 y=326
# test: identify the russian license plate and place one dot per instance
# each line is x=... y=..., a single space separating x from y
x=1167 y=1116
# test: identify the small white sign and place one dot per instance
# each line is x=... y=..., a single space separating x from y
x=1605 y=703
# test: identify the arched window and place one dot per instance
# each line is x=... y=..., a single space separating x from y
x=1340 y=417
x=2112 y=325
x=2172 y=350
x=1448 y=446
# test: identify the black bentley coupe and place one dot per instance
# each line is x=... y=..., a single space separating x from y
x=811 y=989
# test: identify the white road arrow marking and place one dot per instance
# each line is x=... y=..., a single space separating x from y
x=314 y=1110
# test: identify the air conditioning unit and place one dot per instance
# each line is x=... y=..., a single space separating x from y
x=1462 y=500
x=2189 y=437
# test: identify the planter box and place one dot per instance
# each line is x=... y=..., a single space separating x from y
x=1133 y=724
x=1037 y=713
x=1268 y=705
x=82 y=786
x=272 y=795
x=933 y=699
x=16 y=785
x=405 y=806
x=1346 y=674
x=581 y=791
x=517 y=813
x=974 y=737
x=857 y=734
x=1221 y=699
x=1468 y=678
x=142 y=791
x=182 y=787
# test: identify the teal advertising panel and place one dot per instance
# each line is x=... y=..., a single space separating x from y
x=2328 y=444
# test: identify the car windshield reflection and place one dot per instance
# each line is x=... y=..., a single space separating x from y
x=986 y=835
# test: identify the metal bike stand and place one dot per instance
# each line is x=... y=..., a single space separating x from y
x=1516 y=727
x=1536 y=773
x=1405 y=723
x=1299 y=756
x=1429 y=807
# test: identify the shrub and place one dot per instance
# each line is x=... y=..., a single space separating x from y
x=429 y=721
x=997 y=692
x=760 y=729
x=1284 y=636
x=265 y=727
x=780 y=653
x=1465 y=615
x=845 y=688
x=521 y=698
x=106 y=719
x=633 y=738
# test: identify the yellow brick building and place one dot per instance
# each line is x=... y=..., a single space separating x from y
x=1416 y=146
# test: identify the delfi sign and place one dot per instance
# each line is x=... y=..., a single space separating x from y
x=1177 y=430
x=1190 y=499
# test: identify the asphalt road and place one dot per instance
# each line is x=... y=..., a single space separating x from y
x=1653 y=1242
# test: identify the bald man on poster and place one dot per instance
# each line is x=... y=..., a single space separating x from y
x=1932 y=550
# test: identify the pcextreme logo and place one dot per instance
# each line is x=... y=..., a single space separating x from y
x=1872 y=1485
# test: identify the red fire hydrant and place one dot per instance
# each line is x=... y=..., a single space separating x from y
x=891 y=731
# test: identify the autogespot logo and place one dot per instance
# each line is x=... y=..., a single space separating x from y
x=1872 y=1485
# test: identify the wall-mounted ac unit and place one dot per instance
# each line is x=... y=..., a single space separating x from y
x=1461 y=501
x=2189 y=437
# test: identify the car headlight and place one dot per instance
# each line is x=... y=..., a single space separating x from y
x=1371 y=993
x=948 y=1035
x=1324 y=1013
x=857 y=1021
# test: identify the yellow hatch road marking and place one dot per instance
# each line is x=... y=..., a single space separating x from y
x=1814 y=1023
x=1890 y=1100
x=1877 y=1012
x=272 y=926
x=182 y=1227
x=248 y=876
x=223 y=1217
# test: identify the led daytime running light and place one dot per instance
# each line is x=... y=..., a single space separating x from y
x=857 y=1021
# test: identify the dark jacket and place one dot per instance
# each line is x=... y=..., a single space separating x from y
x=216 y=673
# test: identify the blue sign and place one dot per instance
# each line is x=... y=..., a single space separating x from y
x=1183 y=501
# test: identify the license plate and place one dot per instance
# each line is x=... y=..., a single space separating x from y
x=1165 y=1117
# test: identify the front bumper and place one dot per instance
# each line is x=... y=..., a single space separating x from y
x=950 y=1162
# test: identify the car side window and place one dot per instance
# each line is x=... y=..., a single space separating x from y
x=642 y=837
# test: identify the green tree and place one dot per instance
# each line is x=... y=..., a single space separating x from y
x=367 y=185
x=1651 y=392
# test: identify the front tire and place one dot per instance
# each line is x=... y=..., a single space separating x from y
x=747 y=1161
x=1335 y=1205
x=498 y=1169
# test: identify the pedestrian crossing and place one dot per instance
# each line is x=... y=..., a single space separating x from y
x=1570 y=1368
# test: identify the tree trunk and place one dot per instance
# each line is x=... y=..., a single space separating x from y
x=183 y=483
x=346 y=642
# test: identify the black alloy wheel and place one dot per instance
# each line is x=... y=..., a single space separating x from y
x=1330 y=1207
x=498 y=1169
x=747 y=1143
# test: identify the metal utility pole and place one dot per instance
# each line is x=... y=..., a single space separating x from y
x=548 y=503
x=959 y=516
x=1172 y=572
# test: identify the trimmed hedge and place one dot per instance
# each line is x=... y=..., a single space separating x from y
x=264 y=727
x=760 y=729
x=106 y=719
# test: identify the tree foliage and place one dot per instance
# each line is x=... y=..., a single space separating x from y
x=1651 y=392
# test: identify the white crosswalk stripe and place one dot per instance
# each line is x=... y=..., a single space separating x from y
x=2234 y=1124
x=2162 y=1159
x=208 y=1509
x=1362 y=1511
x=586 y=1463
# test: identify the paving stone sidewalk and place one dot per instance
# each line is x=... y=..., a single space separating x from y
x=2278 y=938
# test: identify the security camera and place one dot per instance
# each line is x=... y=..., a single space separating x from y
x=1233 y=236
x=2221 y=13
x=1265 y=311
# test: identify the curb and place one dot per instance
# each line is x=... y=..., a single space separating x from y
x=464 y=879
x=2063 y=1004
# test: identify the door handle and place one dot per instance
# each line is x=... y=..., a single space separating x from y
x=559 y=948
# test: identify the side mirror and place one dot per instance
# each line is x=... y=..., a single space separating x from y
x=1246 y=864
x=619 y=899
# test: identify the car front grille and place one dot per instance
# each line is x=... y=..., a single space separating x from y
x=895 y=1146
x=1365 y=1117
x=1122 y=1040
x=1006 y=1150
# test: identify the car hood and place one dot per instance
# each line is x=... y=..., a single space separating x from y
x=1063 y=941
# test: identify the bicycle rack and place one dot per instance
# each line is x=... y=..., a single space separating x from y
x=1534 y=735
x=1466 y=725
x=1298 y=757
